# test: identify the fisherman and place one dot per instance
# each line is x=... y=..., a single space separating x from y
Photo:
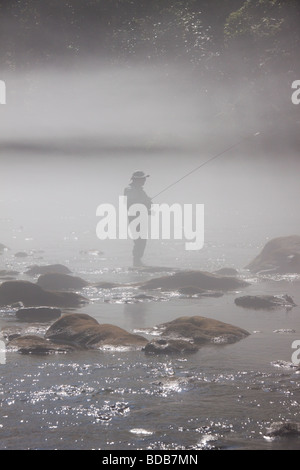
x=136 y=195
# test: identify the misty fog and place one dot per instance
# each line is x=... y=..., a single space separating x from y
x=105 y=345
x=71 y=139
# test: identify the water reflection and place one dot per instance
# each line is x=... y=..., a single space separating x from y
x=137 y=314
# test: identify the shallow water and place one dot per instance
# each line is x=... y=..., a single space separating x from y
x=222 y=397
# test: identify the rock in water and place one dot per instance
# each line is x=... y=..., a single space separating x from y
x=191 y=290
x=58 y=281
x=84 y=331
x=32 y=295
x=38 y=314
x=195 y=279
x=36 y=345
x=170 y=346
x=281 y=429
x=10 y=332
x=52 y=268
x=186 y=335
x=265 y=302
x=73 y=328
x=280 y=255
x=202 y=330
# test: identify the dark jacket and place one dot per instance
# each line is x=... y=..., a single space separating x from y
x=136 y=195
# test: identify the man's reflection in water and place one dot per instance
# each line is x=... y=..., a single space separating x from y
x=137 y=313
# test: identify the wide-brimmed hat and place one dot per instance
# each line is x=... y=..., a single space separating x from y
x=138 y=175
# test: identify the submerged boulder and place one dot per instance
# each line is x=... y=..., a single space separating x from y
x=32 y=344
x=170 y=346
x=51 y=268
x=280 y=255
x=196 y=280
x=265 y=302
x=84 y=331
x=32 y=295
x=38 y=314
x=59 y=281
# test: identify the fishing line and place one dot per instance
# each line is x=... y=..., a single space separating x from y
x=205 y=163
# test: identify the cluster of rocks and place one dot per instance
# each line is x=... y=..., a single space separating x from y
x=55 y=284
x=81 y=331
x=42 y=301
x=74 y=332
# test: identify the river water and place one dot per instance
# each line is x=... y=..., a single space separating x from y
x=219 y=398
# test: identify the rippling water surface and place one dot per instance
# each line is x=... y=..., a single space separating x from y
x=220 y=397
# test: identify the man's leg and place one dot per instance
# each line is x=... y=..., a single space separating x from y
x=139 y=246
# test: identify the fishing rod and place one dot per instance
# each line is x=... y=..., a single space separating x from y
x=205 y=163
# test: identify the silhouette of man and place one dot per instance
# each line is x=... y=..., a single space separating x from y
x=136 y=195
